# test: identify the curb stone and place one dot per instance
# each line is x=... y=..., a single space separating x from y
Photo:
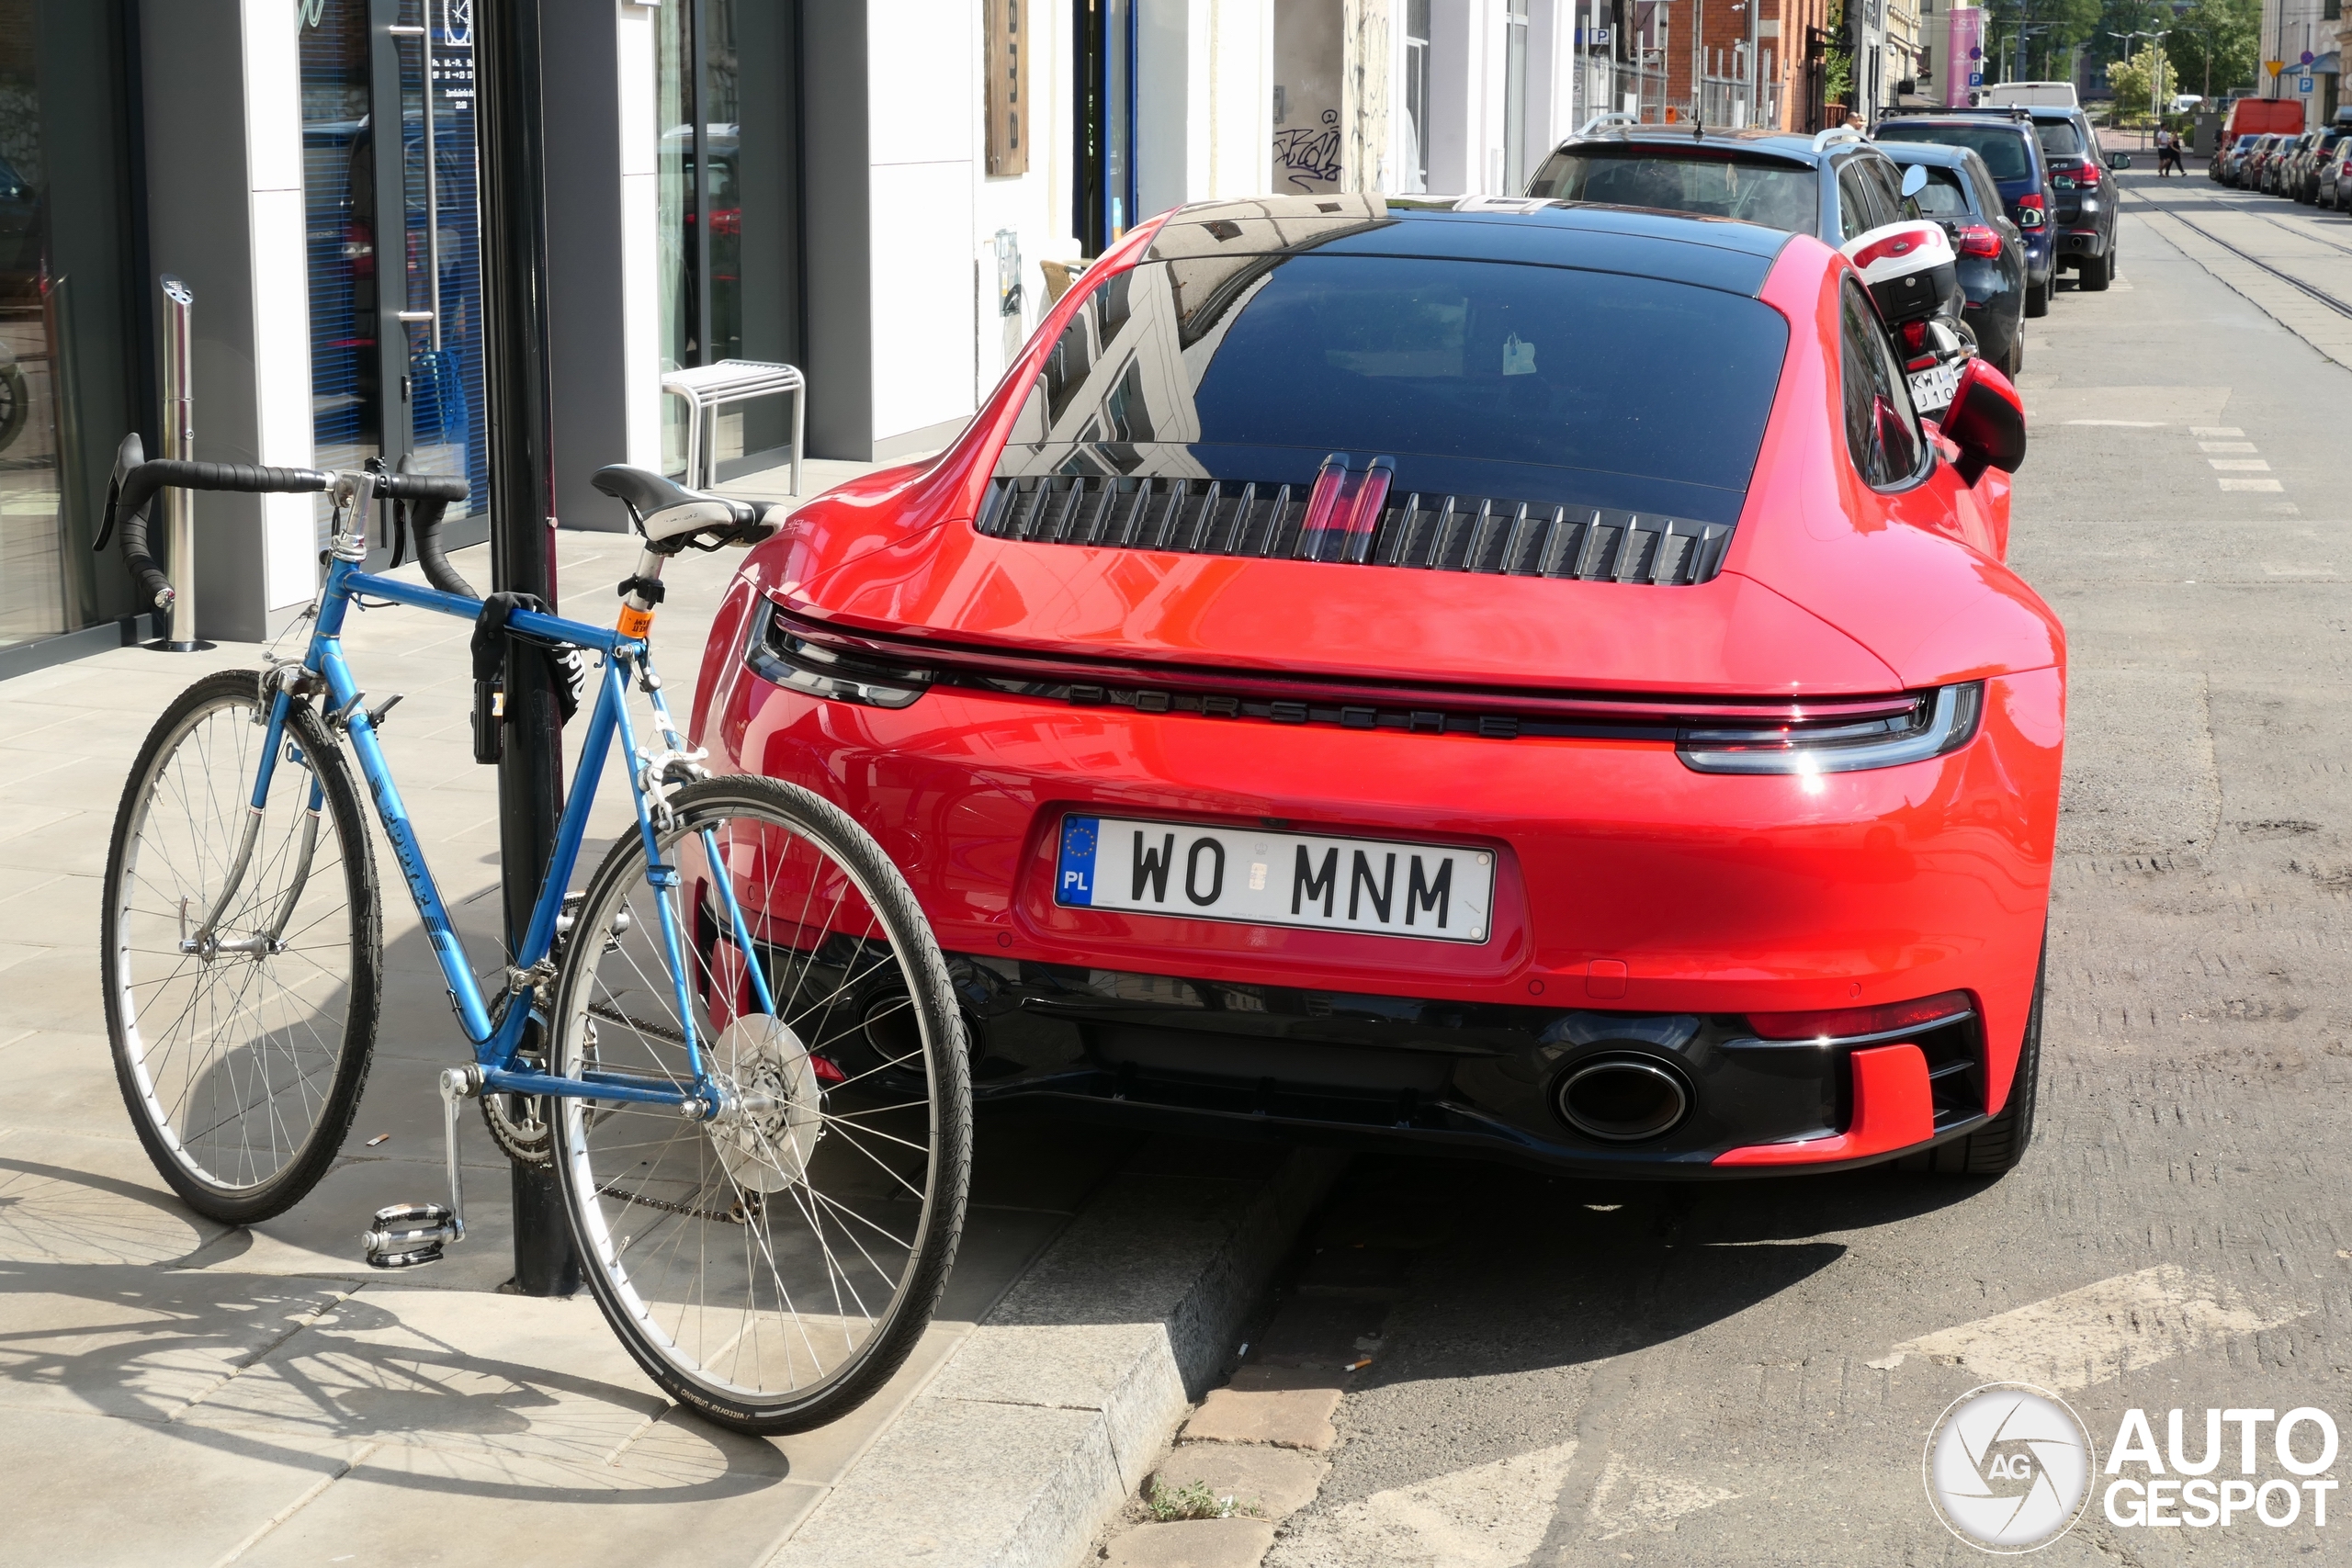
x=1045 y=1421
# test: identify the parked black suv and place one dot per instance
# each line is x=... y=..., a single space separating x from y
x=2082 y=198
x=2012 y=153
x=1832 y=186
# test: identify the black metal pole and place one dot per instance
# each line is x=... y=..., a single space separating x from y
x=512 y=173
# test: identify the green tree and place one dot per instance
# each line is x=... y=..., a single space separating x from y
x=2056 y=28
x=2213 y=45
x=2130 y=79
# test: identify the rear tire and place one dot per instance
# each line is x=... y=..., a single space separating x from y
x=2093 y=273
x=771 y=1267
x=2037 y=300
x=1994 y=1148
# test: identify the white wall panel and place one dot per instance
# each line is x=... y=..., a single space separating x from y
x=923 y=322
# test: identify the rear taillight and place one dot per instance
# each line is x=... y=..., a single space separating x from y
x=2080 y=169
x=1937 y=722
x=1847 y=1023
x=1975 y=240
x=2032 y=212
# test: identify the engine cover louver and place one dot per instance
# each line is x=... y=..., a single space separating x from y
x=1432 y=532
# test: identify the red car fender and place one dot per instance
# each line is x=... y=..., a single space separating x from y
x=1965 y=615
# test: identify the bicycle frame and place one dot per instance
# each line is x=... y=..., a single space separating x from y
x=496 y=1044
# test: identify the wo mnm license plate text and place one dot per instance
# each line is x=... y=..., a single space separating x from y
x=1376 y=887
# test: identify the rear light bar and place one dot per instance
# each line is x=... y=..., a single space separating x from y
x=1851 y=1023
x=1975 y=240
x=1937 y=722
x=891 y=670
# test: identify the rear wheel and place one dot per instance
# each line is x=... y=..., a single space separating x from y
x=241 y=1042
x=2092 y=273
x=770 y=1265
x=1994 y=1148
x=2037 y=300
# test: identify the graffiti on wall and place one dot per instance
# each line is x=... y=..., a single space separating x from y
x=1308 y=158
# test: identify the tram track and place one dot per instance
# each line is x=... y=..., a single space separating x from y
x=2341 y=307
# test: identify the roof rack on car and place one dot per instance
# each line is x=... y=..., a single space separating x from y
x=1836 y=133
x=1604 y=121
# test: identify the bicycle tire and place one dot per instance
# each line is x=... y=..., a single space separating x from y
x=314 y=1122
x=618 y=1210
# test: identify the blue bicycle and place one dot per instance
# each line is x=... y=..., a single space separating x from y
x=736 y=1042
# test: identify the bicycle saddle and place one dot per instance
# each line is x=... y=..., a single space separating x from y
x=672 y=517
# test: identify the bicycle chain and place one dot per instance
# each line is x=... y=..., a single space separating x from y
x=749 y=1206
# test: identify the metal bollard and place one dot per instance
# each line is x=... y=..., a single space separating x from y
x=179 y=441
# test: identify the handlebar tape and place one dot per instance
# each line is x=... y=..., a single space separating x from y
x=424 y=517
x=128 y=507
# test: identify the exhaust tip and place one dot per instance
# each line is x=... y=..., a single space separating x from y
x=1624 y=1100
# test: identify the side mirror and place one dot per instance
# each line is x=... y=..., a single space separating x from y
x=1914 y=180
x=2119 y=160
x=1986 y=421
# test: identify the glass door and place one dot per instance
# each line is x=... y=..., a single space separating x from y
x=67 y=338
x=394 y=263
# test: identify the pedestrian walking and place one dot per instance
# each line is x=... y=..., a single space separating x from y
x=2168 y=154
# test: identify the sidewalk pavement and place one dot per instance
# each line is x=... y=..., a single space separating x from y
x=176 y=1391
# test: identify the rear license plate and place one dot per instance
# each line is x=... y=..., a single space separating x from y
x=1371 y=886
x=1933 y=387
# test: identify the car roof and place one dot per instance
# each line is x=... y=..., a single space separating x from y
x=1927 y=151
x=1958 y=117
x=1710 y=253
x=1813 y=150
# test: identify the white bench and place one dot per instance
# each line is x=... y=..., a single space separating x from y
x=706 y=386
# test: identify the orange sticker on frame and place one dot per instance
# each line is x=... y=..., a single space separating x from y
x=636 y=623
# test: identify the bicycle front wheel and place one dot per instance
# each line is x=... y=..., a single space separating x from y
x=773 y=1264
x=241 y=952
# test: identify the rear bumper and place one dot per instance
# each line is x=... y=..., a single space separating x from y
x=1370 y=1069
x=1631 y=894
x=2082 y=243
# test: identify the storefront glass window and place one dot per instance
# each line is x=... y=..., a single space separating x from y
x=66 y=356
x=727 y=209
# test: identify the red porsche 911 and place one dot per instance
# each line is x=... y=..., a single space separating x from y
x=1507 y=676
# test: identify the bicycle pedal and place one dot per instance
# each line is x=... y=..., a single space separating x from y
x=409 y=1235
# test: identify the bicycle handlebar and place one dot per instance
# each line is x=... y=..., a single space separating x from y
x=136 y=482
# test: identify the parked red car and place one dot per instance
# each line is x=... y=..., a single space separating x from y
x=1514 y=676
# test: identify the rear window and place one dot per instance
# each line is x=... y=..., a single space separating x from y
x=2002 y=148
x=1776 y=195
x=2059 y=137
x=1944 y=196
x=1588 y=387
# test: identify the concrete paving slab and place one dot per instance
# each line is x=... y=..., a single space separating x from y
x=57 y=987
x=450 y=1370
x=691 y=1493
x=140 y=1343
x=91 y=1492
x=321 y=1234
x=65 y=1198
x=1271 y=1481
x=64 y=1082
x=1192 y=1543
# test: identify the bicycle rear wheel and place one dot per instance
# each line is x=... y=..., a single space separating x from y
x=240 y=1056
x=773 y=1265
